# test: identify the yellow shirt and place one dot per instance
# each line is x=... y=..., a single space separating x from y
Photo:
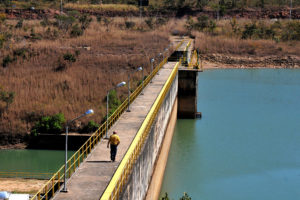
x=114 y=139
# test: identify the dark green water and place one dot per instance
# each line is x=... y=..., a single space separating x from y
x=247 y=144
x=42 y=161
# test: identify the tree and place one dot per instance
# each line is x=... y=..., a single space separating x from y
x=185 y=197
x=7 y=97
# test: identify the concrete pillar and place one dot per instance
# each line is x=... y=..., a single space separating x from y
x=187 y=93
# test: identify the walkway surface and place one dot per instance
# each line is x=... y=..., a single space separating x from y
x=92 y=177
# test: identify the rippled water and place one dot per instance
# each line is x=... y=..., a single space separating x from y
x=247 y=144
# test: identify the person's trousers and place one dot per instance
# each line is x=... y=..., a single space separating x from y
x=113 y=152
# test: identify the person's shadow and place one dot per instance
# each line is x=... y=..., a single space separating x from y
x=98 y=161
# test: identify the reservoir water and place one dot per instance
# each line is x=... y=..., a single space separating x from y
x=40 y=161
x=247 y=144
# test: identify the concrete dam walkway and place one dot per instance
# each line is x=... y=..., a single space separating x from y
x=94 y=174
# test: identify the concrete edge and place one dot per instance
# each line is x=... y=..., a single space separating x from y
x=160 y=165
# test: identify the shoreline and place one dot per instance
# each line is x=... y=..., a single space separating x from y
x=216 y=65
x=22 y=145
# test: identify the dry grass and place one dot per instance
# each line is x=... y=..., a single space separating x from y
x=81 y=85
x=102 y=7
x=223 y=45
x=19 y=185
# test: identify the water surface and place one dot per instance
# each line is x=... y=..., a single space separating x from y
x=247 y=144
x=41 y=161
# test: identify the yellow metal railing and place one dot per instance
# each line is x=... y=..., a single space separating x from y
x=32 y=175
x=121 y=175
x=185 y=54
x=195 y=63
x=57 y=180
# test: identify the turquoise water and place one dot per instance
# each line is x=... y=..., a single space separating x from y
x=42 y=161
x=247 y=144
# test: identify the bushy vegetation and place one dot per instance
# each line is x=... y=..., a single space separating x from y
x=52 y=124
x=90 y=127
x=184 y=197
x=6 y=98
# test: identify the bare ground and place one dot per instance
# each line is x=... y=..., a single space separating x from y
x=228 y=61
x=19 y=185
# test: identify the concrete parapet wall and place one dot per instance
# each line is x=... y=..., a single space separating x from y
x=140 y=178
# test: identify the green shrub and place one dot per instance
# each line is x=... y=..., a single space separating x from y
x=76 y=31
x=20 y=52
x=249 y=31
x=69 y=57
x=19 y=24
x=99 y=18
x=45 y=22
x=291 y=31
x=85 y=21
x=129 y=25
x=49 y=124
x=150 y=22
x=2 y=40
x=90 y=127
x=2 y=17
x=6 y=60
x=202 y=22
x=64 y=22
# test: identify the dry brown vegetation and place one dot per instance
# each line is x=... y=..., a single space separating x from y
x=268 y=43
x=45 y=83
x=19 y=185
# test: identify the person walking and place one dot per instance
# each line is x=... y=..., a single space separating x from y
x=114 y=141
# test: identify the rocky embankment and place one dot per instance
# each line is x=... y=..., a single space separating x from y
x=228 y=61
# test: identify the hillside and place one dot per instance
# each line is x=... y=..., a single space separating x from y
x=52 y=63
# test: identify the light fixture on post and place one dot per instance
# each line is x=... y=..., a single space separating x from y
x=151 y=61
x=129 y=74
x=159 y=55
x=107 y=100
x=291 y=6
x=165 y=50
x=88 y=112
x=61 y=6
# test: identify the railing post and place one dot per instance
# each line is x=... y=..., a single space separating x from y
x=53 y=186
x=58 y=179
x=74 y=163
x=46 y=192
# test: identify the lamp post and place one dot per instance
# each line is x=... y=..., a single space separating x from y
x=138 y=69
x=88 y=112
x=159 y=55
x=107 y=100
x=142 y=93
x=291 y=5
x=165 y=50
x=151 y=61
x=61 y=6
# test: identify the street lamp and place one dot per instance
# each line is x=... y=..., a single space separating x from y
x=291 y=5
x=142 y=93
x=107 y=100
x=61 y=6
x=165 y=50
x=138 y=69
x=88 y=112
x=160 y=54
x=151 y=61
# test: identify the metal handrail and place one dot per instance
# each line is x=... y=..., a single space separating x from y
x=48 y=190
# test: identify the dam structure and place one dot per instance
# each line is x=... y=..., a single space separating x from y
x=90 y=173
